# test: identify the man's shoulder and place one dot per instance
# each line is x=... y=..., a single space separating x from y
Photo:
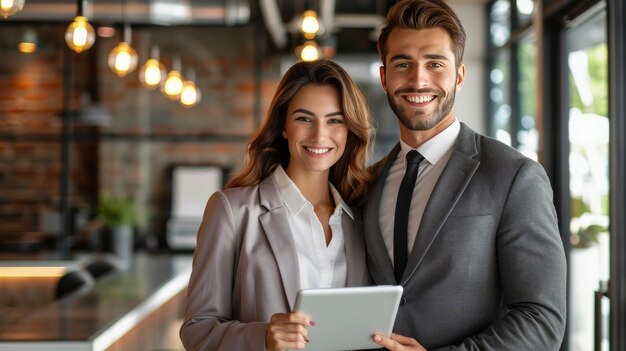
x=491 y=148
x=376 y=169
x=493 y=154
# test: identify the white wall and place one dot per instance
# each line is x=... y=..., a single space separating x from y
x=470 y=101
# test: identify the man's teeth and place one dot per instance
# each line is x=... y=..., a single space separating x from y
x=317 y=151
x=420 y=99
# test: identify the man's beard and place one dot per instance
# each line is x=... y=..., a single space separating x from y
x=415 y=122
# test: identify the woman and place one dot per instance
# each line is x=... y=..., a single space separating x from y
x=282 y=224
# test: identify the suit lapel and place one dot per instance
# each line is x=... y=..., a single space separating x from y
x=275 y=225
x=355 y=251
x=448 y=189
x=380 y=264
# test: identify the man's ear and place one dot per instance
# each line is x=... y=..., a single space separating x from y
x=460 y=77
x=381 y=71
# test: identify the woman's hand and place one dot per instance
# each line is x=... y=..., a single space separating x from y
x=287 y=331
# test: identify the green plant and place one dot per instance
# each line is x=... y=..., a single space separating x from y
x=588 y=236
x=116 y=211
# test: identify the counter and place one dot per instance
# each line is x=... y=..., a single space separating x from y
x=99 y=318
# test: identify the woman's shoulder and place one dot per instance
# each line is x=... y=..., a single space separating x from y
x=241 y=193
x=233 y=201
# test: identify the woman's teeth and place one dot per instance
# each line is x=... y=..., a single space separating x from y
x=317 y=150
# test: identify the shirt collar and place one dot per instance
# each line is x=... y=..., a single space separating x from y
x=435 y=147
x=294 y=200
x=340 y=204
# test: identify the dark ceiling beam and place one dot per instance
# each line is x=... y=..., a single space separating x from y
x=163 y=12
x=274 y=23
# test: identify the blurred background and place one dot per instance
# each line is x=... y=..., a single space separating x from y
x=114 y=133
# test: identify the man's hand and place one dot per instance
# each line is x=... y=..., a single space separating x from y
x=287 y=331
x=398 y=342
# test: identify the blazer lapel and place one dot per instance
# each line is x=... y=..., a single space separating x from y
x=381 y=267
x=355 y=249
x=448 y=189
x=275 y=225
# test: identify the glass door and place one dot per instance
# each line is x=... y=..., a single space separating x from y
x=588 y=130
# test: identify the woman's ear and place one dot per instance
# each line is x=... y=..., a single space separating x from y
x=284 y=134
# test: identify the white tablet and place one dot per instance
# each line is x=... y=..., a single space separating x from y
x=347 y=318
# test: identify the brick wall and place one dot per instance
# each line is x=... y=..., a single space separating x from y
x=31 y=102
x=128 y=154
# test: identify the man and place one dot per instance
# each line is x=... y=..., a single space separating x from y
x=475 y=244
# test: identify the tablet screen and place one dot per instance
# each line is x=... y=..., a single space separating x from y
x=347 y=318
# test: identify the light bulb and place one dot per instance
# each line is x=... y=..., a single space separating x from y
x=309 y=52
x=173 y=86
x=190 y=95
x=122 y=59
x=10 y=7
x=80 y=35
x=152 y=73
x=28 y=44
x=27 y=48
x=310 y=25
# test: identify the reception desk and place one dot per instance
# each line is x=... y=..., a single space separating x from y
x=124 y=310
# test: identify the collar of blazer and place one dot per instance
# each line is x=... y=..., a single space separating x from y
x=275 y=223
x=448 y=189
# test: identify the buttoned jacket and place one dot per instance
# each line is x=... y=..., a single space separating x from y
x=487 y=270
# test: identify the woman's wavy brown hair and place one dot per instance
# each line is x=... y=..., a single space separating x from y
x=267 y=148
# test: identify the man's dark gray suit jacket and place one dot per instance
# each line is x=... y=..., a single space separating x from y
x=487 y=270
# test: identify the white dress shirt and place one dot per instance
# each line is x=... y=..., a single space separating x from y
x=320 y=266
x=436 y=152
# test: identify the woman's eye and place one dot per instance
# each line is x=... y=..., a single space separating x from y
x=335 y=121
x=302 y=118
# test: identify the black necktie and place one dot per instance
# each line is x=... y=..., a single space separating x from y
x=403 y=206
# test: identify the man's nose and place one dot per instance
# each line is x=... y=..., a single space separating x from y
x=420 y=77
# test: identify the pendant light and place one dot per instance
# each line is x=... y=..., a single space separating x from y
x=28 y=44
x=10 y=7
x=310 y=25
x=173 y=86
x=123 y=58
x=152 y=73
x=309 y=51
x=190 y=95
x=80 y=35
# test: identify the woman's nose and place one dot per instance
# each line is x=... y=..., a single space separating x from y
x=319 y=130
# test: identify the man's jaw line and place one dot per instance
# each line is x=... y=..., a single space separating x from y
x=415 y=138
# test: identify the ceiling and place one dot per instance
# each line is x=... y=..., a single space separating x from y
x=157 y=12
x=349 y=24
x=343 y=20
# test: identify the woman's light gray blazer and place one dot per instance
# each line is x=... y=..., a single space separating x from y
x=245 y=268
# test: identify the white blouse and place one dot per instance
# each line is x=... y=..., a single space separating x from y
x=320 y=266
